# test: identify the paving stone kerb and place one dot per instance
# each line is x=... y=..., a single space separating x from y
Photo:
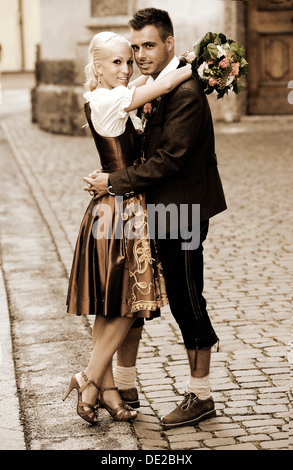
x=247 y=284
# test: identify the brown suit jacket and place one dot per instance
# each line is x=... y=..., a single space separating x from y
x=181 y=164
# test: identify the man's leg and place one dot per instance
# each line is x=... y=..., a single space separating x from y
x=125 y=369
x=199 y=362
x=127 y=353
x=199 y=380
x=184 y=281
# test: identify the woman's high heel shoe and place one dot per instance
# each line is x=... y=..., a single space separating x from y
x=123 y=412
x=91 y=413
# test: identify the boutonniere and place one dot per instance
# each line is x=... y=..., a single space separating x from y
x=149 y=110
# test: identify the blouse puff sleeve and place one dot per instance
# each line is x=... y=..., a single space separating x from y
x=108 y=113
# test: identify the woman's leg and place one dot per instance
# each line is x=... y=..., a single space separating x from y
x=108 y=334
x=108 y=380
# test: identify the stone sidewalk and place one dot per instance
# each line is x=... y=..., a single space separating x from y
x=248 y=283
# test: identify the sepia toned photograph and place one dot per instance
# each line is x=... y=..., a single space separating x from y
x=146 y=227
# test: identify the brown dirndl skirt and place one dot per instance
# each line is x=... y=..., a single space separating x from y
x=116 y=270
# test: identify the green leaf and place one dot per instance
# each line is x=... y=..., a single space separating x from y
x=234 y=47
x=223 y=38
x=237 y=87
x=242 y=50
x=209 y=37
x=212 y=51
x=217 y=41
x=222 y=93
x=196 y=47
x=203 y=41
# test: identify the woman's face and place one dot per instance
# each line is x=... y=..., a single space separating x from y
x=117 y=67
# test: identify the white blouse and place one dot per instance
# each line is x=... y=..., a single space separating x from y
x=108 y=113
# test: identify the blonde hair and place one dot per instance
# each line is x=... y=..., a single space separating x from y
x=98 y=47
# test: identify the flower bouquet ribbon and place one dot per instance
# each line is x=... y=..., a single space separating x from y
x=219 y=64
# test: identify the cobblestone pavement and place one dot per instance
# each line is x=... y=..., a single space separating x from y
x=248 y=283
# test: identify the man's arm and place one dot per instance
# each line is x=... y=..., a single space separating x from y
x=183 y=115
x=178 y=138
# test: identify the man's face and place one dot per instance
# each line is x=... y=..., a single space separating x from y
x=150 y=52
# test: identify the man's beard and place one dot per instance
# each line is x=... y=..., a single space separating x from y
x=154 y=72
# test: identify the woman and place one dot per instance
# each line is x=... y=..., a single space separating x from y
x=116 y=274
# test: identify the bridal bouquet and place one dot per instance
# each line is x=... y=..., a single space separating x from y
x=219 y=64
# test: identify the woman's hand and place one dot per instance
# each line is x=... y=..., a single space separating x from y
x=188 y=56
x=97 y=183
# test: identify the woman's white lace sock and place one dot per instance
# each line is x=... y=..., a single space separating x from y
x=200 y=387
x=124 y=377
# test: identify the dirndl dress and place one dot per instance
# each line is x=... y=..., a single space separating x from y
x=116 y=270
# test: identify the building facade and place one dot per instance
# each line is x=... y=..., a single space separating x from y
x=20 y=34
x=265 y=27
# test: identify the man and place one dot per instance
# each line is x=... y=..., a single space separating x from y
x=180 y=168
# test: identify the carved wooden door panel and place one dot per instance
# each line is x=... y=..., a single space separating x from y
x=269 y=26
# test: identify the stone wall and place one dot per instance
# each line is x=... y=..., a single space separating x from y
x=57 y=103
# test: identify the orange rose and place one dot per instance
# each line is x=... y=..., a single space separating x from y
x=147 y=108
x=213 y=81
x=224 y=63
x=235 y=68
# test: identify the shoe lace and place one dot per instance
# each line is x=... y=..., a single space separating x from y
x=189 y=399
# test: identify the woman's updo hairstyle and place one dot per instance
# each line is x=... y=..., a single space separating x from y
x=97 y=51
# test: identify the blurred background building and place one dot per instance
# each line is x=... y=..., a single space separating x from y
x=50 y=38
x=20 y=32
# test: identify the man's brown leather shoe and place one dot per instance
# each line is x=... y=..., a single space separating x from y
x=191 y=411
x=130 y=396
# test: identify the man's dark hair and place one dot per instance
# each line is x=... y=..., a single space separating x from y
x=156 y=17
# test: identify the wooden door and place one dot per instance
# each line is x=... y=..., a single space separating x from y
x=269 y=26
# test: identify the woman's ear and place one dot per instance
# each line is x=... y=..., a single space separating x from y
x=98 y=68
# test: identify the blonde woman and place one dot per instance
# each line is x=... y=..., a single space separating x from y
x=115 y=277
